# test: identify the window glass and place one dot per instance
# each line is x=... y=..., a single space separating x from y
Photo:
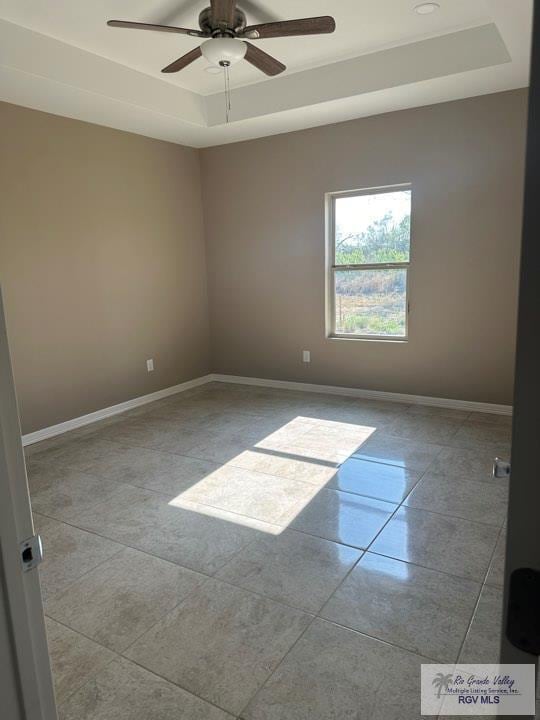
x=373 y=228
x=371 y=302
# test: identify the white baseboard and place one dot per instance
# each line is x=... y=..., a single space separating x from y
x=93 y=417
x=78 y=422
x=469 y=405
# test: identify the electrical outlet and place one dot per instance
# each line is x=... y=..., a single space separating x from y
x=306 y=356
x=150 y=365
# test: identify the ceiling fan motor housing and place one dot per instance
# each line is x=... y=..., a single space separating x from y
x=208 y=27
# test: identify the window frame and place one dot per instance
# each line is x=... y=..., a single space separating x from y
x=331 y=266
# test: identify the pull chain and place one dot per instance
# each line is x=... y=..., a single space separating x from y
x=227 y=93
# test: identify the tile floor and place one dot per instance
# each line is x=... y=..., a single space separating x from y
x=241 y=552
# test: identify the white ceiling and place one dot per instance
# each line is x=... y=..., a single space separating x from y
x=361 y=27
x=59 y=56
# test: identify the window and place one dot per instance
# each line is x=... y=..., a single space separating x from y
x=368 y=263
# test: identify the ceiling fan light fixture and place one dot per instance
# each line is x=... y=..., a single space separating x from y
x=426 y=8
x=224 y=52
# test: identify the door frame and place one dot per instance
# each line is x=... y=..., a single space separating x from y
x=22 y=590
x=523 y=531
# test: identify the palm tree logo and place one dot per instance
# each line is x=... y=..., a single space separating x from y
x=441 y=682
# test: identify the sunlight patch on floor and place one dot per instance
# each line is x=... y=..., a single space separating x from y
x=227 y=516
x=304 y=450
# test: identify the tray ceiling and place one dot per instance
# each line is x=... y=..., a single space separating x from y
x=62 y=58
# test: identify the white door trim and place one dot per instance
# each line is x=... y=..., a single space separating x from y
x=25 y=608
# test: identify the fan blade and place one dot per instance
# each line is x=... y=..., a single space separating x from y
x=263 y=61
x=149 y=26
x=183 y=61
x=285 y=28
x=223 y=12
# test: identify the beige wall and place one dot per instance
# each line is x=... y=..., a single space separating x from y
x=101 y=263
x=264 y=217
x=102 y=258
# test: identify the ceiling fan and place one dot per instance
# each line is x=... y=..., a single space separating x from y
x=224 y=24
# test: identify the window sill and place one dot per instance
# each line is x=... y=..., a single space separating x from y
x=370 y=338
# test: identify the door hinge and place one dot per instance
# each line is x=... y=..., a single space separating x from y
x=522 y=618
x=31 y=552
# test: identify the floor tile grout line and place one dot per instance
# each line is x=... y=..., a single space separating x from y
x=120 y=656
x=90 y=639
x=401 y=504
x=120 y=653
x=457 y=517
x=432 y=512
x=53 y=596
x=83 y=634
x=86 y=682
x=168 y=450
x=483 y=585
x=486 y=583
x=427 y=567
x=378 y=639
x=219 y=465
x=364 y=551
x=230 y=462
x=434 y=442
x=398 y=506
x=124 y=547
x=380 y=461
x=192 y=592
x=365 y=495
x=138 y=445
x=97 y=672
x=310 y=624
x=232 y=512
x=181 y=687
x=133 y=547
x=340 y=585
x=138 y=549
x=234 y=556
x=159 y=493
x=203 y=574
x=163 y=617
x=342 y=627
x=320 y=616
x=86 y=572
x=272 y=673
x=146 y=552
x=385 y=640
